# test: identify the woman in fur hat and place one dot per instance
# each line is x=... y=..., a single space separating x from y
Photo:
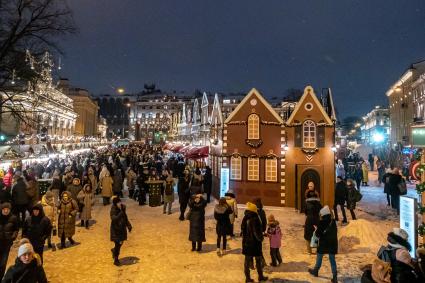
x=397 y=253
x=68 y=209
x=37 y=228
x=86 y=199
x=28 y=266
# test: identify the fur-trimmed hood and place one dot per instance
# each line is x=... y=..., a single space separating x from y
x=396 y=241
x=221 y=209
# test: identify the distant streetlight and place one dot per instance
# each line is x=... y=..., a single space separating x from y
x=128 y=105
x=120 y=90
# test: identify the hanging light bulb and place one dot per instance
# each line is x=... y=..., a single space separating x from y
x=59 y=65
x=13 y=77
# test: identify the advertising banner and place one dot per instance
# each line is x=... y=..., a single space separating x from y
x=224 y=181
x=409 y=221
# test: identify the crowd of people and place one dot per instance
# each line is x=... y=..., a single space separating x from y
x=151 y=178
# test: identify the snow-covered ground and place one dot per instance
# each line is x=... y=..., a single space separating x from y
x=158 y=249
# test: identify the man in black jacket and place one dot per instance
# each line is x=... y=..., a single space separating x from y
x=8 y=232
x=252 y=238
x=394 y=180
x=340 y=198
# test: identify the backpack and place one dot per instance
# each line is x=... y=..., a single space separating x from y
x=381 y=271
x=169 y=188
x=402 y=188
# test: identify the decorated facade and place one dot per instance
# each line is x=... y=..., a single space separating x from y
x=273 y=159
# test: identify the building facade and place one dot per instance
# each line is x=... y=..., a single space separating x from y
x=401 y=104
x=85 y=107
x=375 y=130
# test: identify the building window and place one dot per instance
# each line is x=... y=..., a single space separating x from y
x=236 y=168
x=309 y=134
x=253 y=127
x=253 y=169
x=271 y=170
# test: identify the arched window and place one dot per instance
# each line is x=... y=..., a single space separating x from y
x=253 y=127
x=309 y=134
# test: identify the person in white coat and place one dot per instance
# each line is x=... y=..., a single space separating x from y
x=50 y=211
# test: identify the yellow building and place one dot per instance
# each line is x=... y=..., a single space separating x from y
x=85 y=107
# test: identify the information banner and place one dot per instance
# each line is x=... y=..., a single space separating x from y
x=409 y=221
x=224 y=181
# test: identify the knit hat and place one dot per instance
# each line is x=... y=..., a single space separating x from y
x=49 y=195
x=6 y=205
x=401 y=233
x=25 y=247
x=116 y=200
x=325 y=211
x=271 y=218
x=251 y=207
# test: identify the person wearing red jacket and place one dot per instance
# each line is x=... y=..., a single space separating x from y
x=7 y=179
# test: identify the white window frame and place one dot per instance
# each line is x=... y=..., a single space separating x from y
x=253 y=169
x=236 y=168
x=253 y=127
x=309 y=134
x=271 y=170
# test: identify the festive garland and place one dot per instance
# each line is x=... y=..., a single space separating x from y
x=271 y=123
x=420 y=188
x=237 y=123
x=237 y=155
x=254 y=143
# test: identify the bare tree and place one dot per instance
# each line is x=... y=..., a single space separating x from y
x=33 y=25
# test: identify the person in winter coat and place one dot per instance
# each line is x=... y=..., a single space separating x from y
x=28 y=266
x=312 y=209
x=5 y=195
x=275 y=237
x=20 y=199
x=86 y=199
x=56 y=187
x=252 y=238
x=351 y=198
x=397 y=254
x=37 y=229
x=8 y=178
x=32 y=188
x=197 y=221
x=102 y=173
x=221 y=214
x=196 y=183
x=386 y=181
x=131 y=181
x=341 y=194
x=208 y=183
x=117 y=184
x=328 y=243
x=358 y=175
x=183 y=189
x=119 y=226
x=106 y=185
x=74 y=188
x=365 y=169
x=263 y=219
x=50 y=210
x=67 y=210
x=340 y=170
x=168 y=196
x=92 y=179
x=394 y=180
x=231 y=202
x=8 y=232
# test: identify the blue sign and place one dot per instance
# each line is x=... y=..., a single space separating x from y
x=224 y=181
x=408 y=221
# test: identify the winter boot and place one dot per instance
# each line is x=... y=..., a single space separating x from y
x=249 y=280
x=82 y=223
x=218 y=252
x=334 y=279
x=71 y=241
x=263 y=278
x=314 y=272
x=87 y=224
x=222 y=252
x=116 y=261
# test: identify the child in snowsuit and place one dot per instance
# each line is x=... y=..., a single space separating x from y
x=275 y=236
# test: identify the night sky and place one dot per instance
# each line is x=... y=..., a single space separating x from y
x=358 y=48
